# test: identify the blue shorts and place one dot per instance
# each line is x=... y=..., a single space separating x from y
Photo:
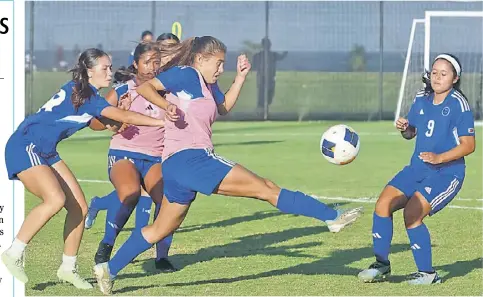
x=193 y=170
x=438 y=188
x=142 y=162
x=21 y=154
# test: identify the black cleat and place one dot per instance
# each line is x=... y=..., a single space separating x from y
x=103 y=253
x=163 y=265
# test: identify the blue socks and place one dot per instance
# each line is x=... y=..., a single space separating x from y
x=420 y=242
x=143 y=211
x=134 y=246
x=162 y=247
x=382 y=229
x=103 y=203
x=117 y=216
x=298 y=203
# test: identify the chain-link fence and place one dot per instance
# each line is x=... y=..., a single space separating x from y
x=320 y=60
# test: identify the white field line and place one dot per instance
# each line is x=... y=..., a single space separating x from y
x=346 y=199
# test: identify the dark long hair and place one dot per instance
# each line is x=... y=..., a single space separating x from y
x=124 y=74
x=167 y=36
x=87 y=60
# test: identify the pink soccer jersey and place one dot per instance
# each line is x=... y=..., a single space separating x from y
x=197 y=105
x=140 y=139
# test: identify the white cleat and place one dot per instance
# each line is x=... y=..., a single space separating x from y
x=104 y=278
x=344 y=218
x=73 y=277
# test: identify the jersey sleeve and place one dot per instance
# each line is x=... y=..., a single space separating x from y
x=175 y=78
x=121 y=90
x=95 y=106
x=412 y=115
x=465 y=124
x=217 y=94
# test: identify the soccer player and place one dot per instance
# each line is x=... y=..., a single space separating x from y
x=442 y=122
x=134 y=161
x=146 y=36
x=31 y=156
x=143 y=56
x=189 y=163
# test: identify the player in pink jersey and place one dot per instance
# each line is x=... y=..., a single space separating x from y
x=111 y=202
x=134 y=161
x=190 y=164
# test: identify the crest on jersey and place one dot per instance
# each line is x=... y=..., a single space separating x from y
x=445 y=112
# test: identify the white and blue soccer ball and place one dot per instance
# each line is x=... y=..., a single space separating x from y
x=340 y=144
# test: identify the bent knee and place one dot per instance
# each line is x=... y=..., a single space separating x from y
x=55 y=201
x=128 y=193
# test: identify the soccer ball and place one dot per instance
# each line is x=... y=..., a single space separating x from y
x=340 y=144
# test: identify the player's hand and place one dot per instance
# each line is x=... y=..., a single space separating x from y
x=172 y=113
x=243 y=66
x=113 y=128
x=125 y=101
x=123 y=127
x=402 y=124
x=431 y=158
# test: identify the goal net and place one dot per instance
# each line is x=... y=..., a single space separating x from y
x=456 y=32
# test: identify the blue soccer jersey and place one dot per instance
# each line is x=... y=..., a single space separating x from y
x=58 y=119
x=439 y=127
x=185 y=79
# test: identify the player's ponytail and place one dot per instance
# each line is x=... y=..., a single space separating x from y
x=186 y=51
x=82 y=90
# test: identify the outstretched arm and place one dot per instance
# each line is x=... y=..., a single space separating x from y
x=130 y=117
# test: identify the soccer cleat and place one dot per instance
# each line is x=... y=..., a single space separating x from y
x=344 y=218
x=424 y=278
x=72 y=276
x=91 y=215
x=15 y=266
x=103 y=253
x=104 y=278
x=164 y=265
x=376 y=272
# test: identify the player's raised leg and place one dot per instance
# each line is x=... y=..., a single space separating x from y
x=76 y=207
x=243 y=183
x=97 y=204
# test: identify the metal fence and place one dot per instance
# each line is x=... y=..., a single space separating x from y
x=331 y=60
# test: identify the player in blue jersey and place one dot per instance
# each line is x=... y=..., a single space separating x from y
x=123 y=174
x=189 y=163
x=31 y=156
x=442 y=122
x=146 y=36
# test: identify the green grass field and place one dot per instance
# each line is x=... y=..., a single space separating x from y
x=229 y=246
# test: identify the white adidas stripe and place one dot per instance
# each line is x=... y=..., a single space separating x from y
x=444 y=195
